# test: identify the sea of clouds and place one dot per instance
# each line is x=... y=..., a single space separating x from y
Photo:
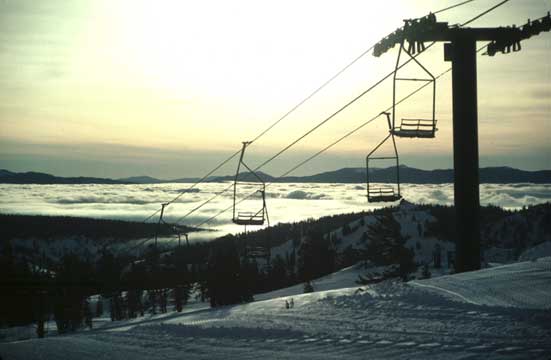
x=286 y=201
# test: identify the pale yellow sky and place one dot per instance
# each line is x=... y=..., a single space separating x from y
x=169 y=88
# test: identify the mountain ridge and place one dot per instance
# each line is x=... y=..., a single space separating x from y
x=493 y=175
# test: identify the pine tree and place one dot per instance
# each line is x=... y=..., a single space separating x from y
x=87 y=313
x=152 y=296
x=384 y=241
x=386 y=245
x=132 y=303
x=316 y=256
x=425 y=274
x=163 y=300
x=437 y=256
x=178 y=298
x=225 y=282
x=99 y=307
x=278 y=273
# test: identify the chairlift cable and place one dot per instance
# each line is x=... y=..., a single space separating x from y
x=293 y=109
x=321 y=151
x=484 y=13
x=354 y=100
x=337 y=74
x=302 y=163
x=342 y=108
x=204 y=203
x=347 y=134
x=307 y=98
x=452 y=6
x=195 y=184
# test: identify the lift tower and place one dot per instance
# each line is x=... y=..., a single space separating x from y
x=460 y=49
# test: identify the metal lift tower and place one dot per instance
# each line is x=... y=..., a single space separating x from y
x=460 y=49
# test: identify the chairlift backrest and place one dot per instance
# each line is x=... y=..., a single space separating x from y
x=424 y=128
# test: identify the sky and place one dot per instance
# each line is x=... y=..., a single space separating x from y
x=171 y=88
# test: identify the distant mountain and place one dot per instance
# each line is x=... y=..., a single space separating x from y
x=493 y=175
x=246 y=177
x=151 y=180
x=8 y=177
x=141 y=180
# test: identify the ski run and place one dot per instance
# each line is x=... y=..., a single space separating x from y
x=501 y=312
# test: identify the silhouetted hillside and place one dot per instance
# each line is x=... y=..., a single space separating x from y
x=494 y=175
x=8 y=177
x=45 y=227
x=141 y=180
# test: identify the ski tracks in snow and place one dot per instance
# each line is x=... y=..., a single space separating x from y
x=387 y=320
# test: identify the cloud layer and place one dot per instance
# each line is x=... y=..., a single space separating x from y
x=286 y=202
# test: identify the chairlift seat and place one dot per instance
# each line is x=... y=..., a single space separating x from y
x=383 y=194
x=416 y=128
x=249 y=218
x=257 y=252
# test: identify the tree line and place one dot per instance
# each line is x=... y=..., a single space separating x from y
x=228 y=270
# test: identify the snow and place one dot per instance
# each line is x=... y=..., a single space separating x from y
x=345 y=278
x=536 y=252
x=496 y=313
x=522 y=285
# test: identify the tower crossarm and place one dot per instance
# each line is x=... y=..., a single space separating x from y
x=419 y=31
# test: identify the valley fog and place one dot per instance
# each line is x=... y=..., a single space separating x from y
x=286 y=202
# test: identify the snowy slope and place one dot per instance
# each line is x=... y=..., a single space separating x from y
x=522 y=285
x=345 y=278
x=412 y=221
x=481 y=314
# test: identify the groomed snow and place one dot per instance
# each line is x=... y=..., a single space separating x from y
x=525 y=285
x=496 y=313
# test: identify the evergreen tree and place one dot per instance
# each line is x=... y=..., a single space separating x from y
x=278 y=273
x=87 y=313
x=386 y=245
x=316 y=256
x=132 y=301
x=152 y=297
x=225 y=284
x=178 y=298
x=425 y=274
x=346 y=229
x=163 y=297
x=407 y=263
x=71 y=277
x=99 y=307
x=250 y=276
x=437 y=256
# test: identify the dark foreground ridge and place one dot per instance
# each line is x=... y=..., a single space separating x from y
x=46 y=227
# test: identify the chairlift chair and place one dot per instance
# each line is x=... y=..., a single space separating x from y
x=178 y=231
x=249 y=217
x=383 y=193
x=413 y=128
x=257 y=252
